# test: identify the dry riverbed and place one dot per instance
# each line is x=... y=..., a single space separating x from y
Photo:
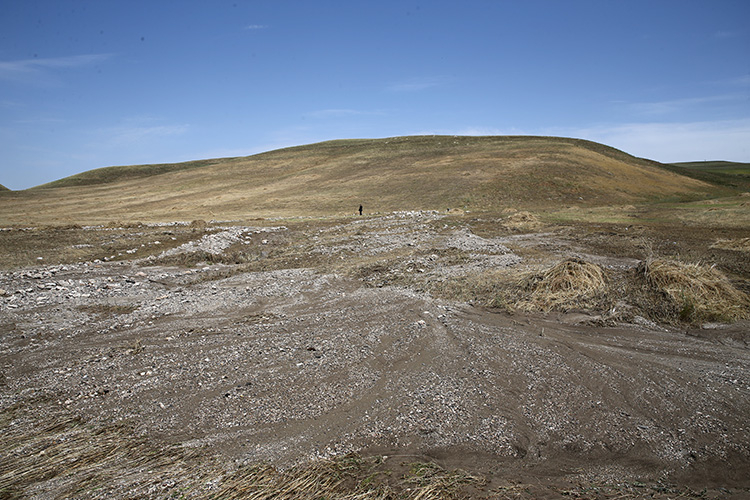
x=290 y=344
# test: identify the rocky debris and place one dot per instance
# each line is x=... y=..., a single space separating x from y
x=216 y=243
x=377 y=236
x=292 y=364
x=464 y=239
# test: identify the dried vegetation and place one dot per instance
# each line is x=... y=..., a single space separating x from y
x=572 y=281
x=698 y=292
x=522 y=221
x=661 y=290
x=739 y=245
x=85 y=462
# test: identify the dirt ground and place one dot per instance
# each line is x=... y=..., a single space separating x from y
x=288 y=343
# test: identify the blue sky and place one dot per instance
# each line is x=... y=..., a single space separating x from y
x=88 y=84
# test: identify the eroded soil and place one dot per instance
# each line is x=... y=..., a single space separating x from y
x=325 y=340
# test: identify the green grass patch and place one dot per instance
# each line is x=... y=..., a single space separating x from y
x=722 y=173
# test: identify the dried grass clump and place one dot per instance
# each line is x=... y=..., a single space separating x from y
x=336 y=478
x=79 y=461
x=497 y=288
x=570 y=283
x=435 y=483
x=346 y=478
x=59 y=456
x=522 y=221
x=740 y=245
x=198 y=224
x=700 y=292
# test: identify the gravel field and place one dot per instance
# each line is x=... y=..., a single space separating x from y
x=289 y=365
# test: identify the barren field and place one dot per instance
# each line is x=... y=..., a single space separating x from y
x=402 y=355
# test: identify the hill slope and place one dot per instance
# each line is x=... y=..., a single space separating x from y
x=109 y=175
x=724 y=173
x=402 y=173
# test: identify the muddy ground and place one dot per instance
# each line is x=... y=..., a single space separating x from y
x=288 y=343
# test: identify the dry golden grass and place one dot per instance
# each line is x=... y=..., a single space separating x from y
x=700 y=292
x=568 y=283
x=522 y=221
x=84 y=461
x=432 y=482
x=333 y=178
x=319 y=479
x=739 y=245
x=59 y=456
x=661 y=290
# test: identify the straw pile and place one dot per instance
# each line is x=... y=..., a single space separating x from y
x=433 y=482
x=63 y=457
x=699 y=292
x=345 y=478
x=62 y=454
x=522 y=221
x=570 y=283
x=740 y=245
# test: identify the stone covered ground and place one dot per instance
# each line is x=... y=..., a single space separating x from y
x=288 y=344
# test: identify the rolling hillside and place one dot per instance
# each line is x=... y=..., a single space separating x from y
x=401 y=173
x=724 y=173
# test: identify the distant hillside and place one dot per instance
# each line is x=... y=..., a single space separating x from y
x=107 y=175
x=3 y=188
x=724 y=173
x=400 y=173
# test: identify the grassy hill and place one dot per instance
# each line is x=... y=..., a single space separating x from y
x=108 y=175
x=3 y=188
x=724 y=173
x=334 y=177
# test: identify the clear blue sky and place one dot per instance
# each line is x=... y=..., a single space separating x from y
x=88 y=84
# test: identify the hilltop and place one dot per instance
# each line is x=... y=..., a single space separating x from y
x=334 y=177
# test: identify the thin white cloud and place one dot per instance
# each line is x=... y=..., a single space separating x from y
x=661 y=141
x=127 y=135
x=724 y=34
x=31 y=68
x=416 y=84
x=341 y=113
x=679 y=105
x=9 y=104
x=672 y=142
x=742 y=81
x=256 y=27
x=40 y=121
